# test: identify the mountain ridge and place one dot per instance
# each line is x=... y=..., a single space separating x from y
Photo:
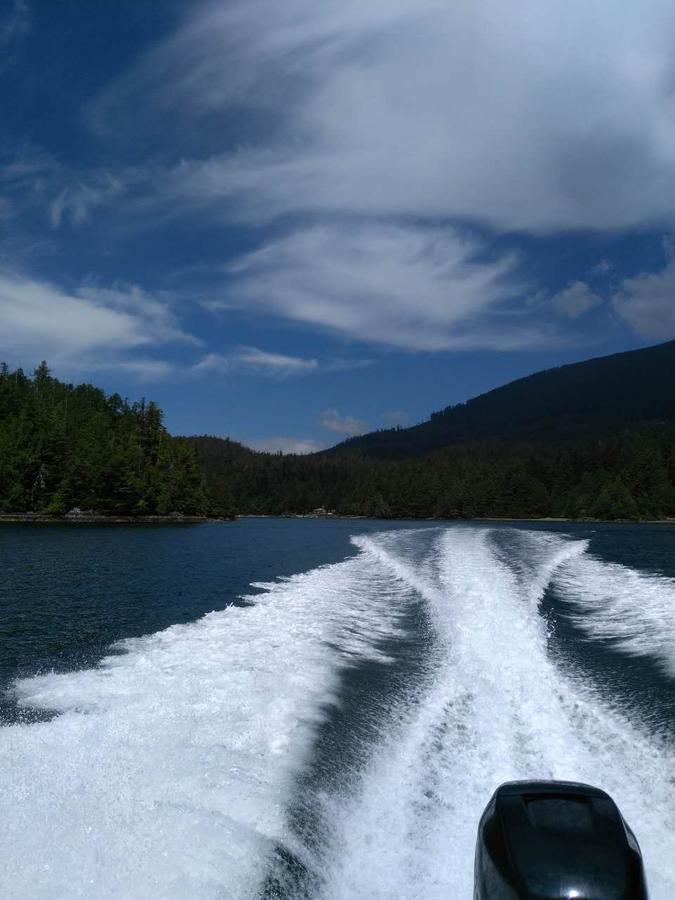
x=597 y=396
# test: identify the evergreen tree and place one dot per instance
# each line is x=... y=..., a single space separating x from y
x=65 y=446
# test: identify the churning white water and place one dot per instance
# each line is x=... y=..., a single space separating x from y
x=171 y=767
x=169 y=770
x=634 y=609
x=498 y=710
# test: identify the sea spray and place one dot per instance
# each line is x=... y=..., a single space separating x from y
x=170 y=769
x=498 y=709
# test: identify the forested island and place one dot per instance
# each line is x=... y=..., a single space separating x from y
x=73 y=448
x=594 y=440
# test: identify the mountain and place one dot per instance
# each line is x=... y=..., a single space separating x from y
x=590 y=440
x=597 y=397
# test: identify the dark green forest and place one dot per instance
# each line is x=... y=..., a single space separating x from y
x=595 y=398
x=631 y=476
x=594 y=439
x=64 y=446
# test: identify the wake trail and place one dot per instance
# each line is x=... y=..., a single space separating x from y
x=634 y=611
x=498 y=709
x=169 y=769
x=172 y=769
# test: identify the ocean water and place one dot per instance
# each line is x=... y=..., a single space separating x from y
x=320 y=709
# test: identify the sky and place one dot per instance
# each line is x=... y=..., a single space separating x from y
x=291 y=221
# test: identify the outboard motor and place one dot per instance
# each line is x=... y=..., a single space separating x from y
x=555 y=840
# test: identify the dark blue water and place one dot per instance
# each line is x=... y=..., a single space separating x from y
x=70 y=591
x=332 y=732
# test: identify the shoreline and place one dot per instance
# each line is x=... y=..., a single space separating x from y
x=552 y=519
x=94 y=519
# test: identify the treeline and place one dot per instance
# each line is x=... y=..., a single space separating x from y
x=65 y=446
x=631 y=476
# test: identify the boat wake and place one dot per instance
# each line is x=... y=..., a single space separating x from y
x=171 y=768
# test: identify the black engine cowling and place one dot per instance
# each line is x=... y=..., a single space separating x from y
x=556 y=840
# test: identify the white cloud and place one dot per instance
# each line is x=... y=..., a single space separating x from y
x=575 y=300
x=214 y=363
x=406 y=286
x=602 y=267
x=396 y=417
x=647 y=303
x=261 y=362
x=154 y=311
x=85 y=328
x=278 y=363
x=333 y=420
x=280 y=444
x=142 y=368
x=474 y=108
x=76 y=201
x=13 y=26
x=383 y=122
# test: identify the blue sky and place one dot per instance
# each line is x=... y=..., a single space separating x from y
x=289 y=221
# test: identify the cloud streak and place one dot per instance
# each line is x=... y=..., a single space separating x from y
x=90 y=327
x=369 y=143
x=365 y=136
x=575 y=300
x=13 y=27
x=337 y=422
x=280 y=444
x=416 y=287
x=418 y=107
x=254 y=361
x=257 y=361
x=647 y=303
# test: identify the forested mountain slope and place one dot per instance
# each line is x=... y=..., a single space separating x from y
x=64 y=446
x=628 y=476
x=592 y=398
x=590 y=440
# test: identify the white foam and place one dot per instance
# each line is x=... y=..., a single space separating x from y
x=636 y=610
x=498 y=710
x=170 y=767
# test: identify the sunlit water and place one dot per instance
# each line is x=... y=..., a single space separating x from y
x=334 y=732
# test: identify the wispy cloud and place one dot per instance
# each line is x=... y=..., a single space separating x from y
x=66 y=194
x=280 y=444
x=75 y=202
x=396 y=417
x=602 y=267
x=142 y=368
x=415 y=287
x=575 y=300
x=368 y=157
x=302 y=112
x=87 y=327
x=647 y=302
x=350 y=115
x=14 y=25
x=333 y=420
x=253 y=360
